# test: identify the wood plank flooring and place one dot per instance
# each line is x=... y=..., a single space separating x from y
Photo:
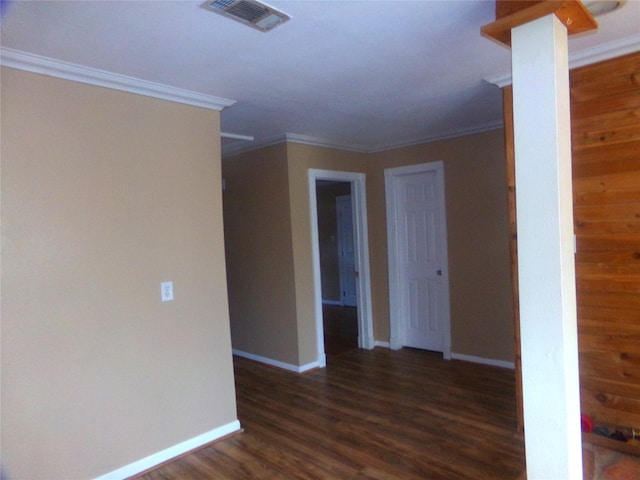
x=376 y=414
x=340 y=330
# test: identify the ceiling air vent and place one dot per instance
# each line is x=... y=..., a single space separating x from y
x=250 y=12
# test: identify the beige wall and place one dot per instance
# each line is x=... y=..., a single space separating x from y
x=301 y=158
x=104 y=195
x=477 y=235
x=477 y=224
x=268 y=237
x=259 y=260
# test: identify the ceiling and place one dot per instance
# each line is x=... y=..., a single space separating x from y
x=360 y=75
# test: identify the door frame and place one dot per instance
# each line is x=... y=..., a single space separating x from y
x=361 y=245
x=395 y=308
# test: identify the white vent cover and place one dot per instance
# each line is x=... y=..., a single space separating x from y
x=250 y=12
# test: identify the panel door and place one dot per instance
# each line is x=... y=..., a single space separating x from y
x=419 y=260
x=346 y=251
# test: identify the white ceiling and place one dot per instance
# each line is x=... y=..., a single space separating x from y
x=364 y=75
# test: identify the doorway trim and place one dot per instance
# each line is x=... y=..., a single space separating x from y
x=395 y=319
x=361 y=244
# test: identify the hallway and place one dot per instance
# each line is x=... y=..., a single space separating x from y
x=340 y=330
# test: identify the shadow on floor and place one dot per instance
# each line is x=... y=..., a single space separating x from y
x=340 y=330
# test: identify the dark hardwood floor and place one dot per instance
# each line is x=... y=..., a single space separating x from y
x=340 y=330
x=376 y=414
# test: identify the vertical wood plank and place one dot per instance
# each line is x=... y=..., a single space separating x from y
x=507 y=105
x=606 y=157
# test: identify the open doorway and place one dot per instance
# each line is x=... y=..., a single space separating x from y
x=337 y=267
x=340 y=262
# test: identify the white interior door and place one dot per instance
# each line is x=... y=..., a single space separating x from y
x=346 y=251
x=419 y=295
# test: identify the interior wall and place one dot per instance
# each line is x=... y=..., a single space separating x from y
x=477 y=236
x=300 y=159
x=478 y=242
x=258 y=238
x=605 y=136
x=104 y=195
x=268 y=238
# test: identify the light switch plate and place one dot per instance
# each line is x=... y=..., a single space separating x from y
x=166 y=291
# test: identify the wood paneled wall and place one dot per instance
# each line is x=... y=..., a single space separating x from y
x=605 y=116
x=510 y=173
x=605 y=125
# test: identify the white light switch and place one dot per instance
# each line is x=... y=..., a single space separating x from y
x=166 y=291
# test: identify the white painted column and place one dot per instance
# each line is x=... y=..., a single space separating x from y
x=542 y=135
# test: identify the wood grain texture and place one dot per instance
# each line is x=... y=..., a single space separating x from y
x=605 y=119
x=606 y=159
x=377 y=414
x=606 y=79
x=571 y=13
x=507 y=105
x=504 y=8
x=340 y=330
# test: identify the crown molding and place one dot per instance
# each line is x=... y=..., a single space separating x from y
x=236 y=136
x=502 y=80
x=317 y=142
x=242 y=147
x=454 y=133
x=237 y=149
x=101 y=78
x=584 y=57
x=605 y=51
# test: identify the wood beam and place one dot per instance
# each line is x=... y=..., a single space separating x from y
x=504 y=8
x=510 y=14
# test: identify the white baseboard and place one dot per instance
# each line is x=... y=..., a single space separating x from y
x=277 y=363
x=171 y=452
x=484 y=361
x=332 y=302
x=448 y=355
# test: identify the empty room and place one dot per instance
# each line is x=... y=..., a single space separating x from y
x=320 y=239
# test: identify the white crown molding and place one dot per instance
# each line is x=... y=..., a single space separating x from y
x=587 y=56
x=244 y=147
x=236 y=136
x=502 y=80
x=454 y=133
x=92 y=76
x=318 y=142
x=237 y=149
x=605 y=51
